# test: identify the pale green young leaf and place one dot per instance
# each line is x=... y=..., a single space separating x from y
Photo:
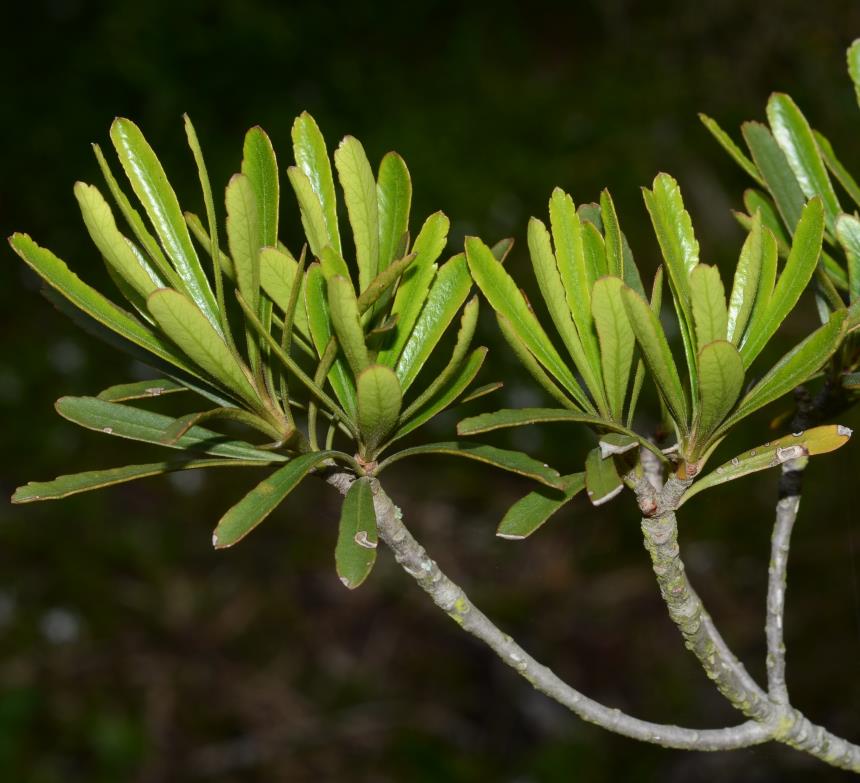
x=848 y=233
x=379 y=402
x=125 y=421
x=794 y=136
x=504 y=296
x=394 y=198
x=602 y=482
x=152 y=188
x=359 y=194
x=186 y=326
x=244 y=237
x=798 y=270
x=745 y=283
x=332 y=263
x=312 y=160
x=140 y=390
x=777 y=174
x=764 y=289
x=735 y=152
x=312 y=215
x=261 y=501
x=617 y=341
x=818 y=440
x=343 y=309
x=415 y=284
x=355 y=552
x=277 y=277
x=503 y=459
x=383 y=283
x=721 y=379
x=260 y=166
x=595 y=251
x=73 y=484
x=612 y=234
x=708 y=299
x=531 y=512
x=658 y=357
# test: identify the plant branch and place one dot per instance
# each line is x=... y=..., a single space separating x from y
x=451 y=598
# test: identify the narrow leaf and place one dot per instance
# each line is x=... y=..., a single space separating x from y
x=260 y=166
x=848 y=233
x=343 y=308
x=355 y=552
x=394 y=198
x=532 y=511
x=838 y=170
x=617 y=341
x=612 y=232
x=735 y=152
x=708 y=298
x=602 y=482
x=139 y=390
x=745 y=283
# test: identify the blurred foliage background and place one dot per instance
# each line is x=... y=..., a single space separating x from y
x=131 y=651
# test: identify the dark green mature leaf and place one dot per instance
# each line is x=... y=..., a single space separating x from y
x=504 y=296
x=152 y=188
x=532 y=511
x=261 y=501
x=733 y=149
x=379 y=401
x=93 y=304
x=818 y=440
x=602 y=482
x=721 y=379
x=359 y=193
x=355 y=552
x=617 y=341
x=183 y=323
x=125 y=421
x=848 y=233
x=122 y=256
x=446 y=296
x=343 y=309
x=797 y=366
x=504 y=459
x=775 y=171
x=312 y=160
x=260 y=166
x=708 y=299
x=139 y=390
x=184 y=423
x=801 y=263
x=415 y=285
x=745 y=283
x=658 y=357
x=72 y=484
x=394 y=198
x=794 y=136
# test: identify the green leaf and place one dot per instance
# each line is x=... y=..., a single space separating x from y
x=319 y=321
x=412 y=291
x=394 y=198
x=118 y=251
x=733 y=149
x=775 y=171
x=343 y=308
x=818 y=440
x=64 y=486
x=602 y=482
x=447 y=294
x=639 y=377
x=794 y=136
x=612 y=443
x=504 y=296
x=97 y=307
x=489 y=388
x=277 y=276
x=756 y=201
x=801 y=263
x=261 y=501
x=708 y=298
x=612 y=232
x=184 y=423
x=312 y=160
x=721 y=379
x=183 y=323
x=587 y=361
x=504 y=459
x=617 y=341
x=793 y=369
x=125 y=421
x=383 y=282
x=260 y=166
x=139 y=390
x=595 y=251
x=152 y=188
x=333 y=264
x=313 y=218
x=532 y=511
x=359 y=193
x=848 y=233
x=355 y=552
x=836 y=168
x=445 y=396
x=745 y=283
x=658 y=357
x=379 y=401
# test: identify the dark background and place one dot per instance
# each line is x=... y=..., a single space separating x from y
x=131 y=651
